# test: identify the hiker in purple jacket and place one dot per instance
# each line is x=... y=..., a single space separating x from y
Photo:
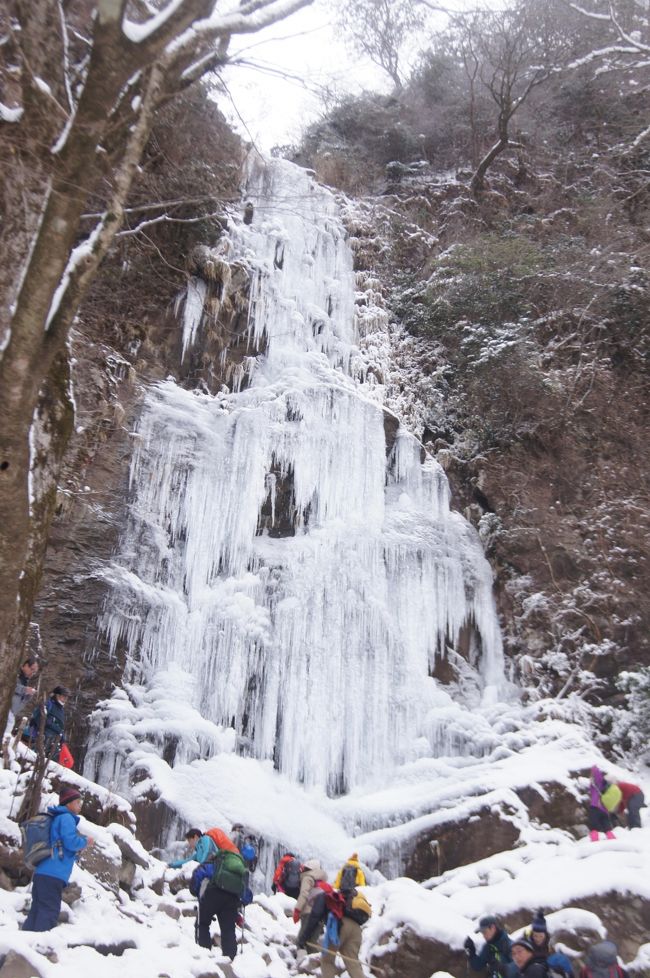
x=599 y=817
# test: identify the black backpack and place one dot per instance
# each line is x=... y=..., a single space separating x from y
x=357 y=907
x=348 y=878
x=291 y=878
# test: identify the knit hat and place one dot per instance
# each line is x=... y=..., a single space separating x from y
x=60 y=691
x=539 y=923
x=66 y=795
x=524 y=942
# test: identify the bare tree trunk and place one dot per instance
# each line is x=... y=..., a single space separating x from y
x=477 y=183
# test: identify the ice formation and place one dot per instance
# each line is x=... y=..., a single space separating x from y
x=316 y=642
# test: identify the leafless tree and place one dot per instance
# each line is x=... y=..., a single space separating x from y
x=508 y=53
x=379 y=29
x=81 y=82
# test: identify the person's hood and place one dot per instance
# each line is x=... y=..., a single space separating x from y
x=597 y=777
x=313 y=867
x=602 y=955
x=62 y=810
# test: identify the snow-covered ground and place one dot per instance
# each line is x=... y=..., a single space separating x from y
x=548 y=867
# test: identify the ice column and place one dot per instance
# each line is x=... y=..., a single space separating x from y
x=315 y=644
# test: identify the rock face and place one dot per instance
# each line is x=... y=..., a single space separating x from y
x=416 y=957
x=550 y=803
x=458 y=843
x=113 y=364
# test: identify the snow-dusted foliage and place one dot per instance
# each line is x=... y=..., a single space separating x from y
x=281 y=572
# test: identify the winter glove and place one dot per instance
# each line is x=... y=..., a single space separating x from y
x=296 y=916
x=176 y=864
x=470 y=947
x=239 y=920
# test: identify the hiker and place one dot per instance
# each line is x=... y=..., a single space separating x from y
x=632 y=801
x=599 y=818
x=323 y=900
x=539 y=937
x=24 y=689
x=247 y=844
x=350 y=875
x=286 y=878
x=310 y=873
x=602 y=962
x=529 y=963
x=53 y=873
x=219 y=884
x=54 y=722
x=203 y=848
x=495 y=954
x=346 y=939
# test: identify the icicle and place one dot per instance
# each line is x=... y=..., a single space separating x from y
x=317 y=645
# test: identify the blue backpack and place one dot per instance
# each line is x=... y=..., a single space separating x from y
x=37 y=839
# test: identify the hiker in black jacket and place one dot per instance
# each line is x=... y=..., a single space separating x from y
x=54 y=732
x=495 y=955
x=528 y=963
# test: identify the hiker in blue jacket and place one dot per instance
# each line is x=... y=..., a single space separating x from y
x=51 y=875
x=203 y=848
x=495 y=955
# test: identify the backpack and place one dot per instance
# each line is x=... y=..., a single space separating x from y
x=221 y=840
x=229 y=872
x=559 y=965
x=249 y=848
x=348 y=877
x=37 y=839
x=357 y=908
x=290 y=879
x=611 y=797
x=334 y=901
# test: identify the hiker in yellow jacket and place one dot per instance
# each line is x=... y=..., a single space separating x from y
x=350 y=875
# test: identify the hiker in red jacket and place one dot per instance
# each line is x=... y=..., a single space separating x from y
x=632 y=802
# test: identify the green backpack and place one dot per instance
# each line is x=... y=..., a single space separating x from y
x=230 y=872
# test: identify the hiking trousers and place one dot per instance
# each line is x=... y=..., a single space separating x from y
x=634 y=806
x=349 y=947
x=224 y=906
x=46 y=903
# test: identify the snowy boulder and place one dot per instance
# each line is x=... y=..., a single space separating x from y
x=71 y=893
x=555 y=804
x=417 y=957
x=15 y=965
x=11 y=853
x=625 y=918
x=104 y=861
x=461 y=841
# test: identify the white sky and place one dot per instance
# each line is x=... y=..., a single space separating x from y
x=305 y=47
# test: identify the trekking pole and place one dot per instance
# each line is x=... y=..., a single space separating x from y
x=243 y=924
x=372 y=967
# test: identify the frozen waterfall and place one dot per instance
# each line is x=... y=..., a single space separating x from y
x=314 y=644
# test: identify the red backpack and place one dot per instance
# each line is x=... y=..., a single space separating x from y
x=334 y=901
